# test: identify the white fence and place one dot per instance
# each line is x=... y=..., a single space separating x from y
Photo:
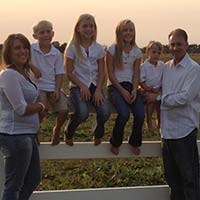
x=89 y=151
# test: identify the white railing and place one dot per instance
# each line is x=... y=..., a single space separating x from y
x=85 y=150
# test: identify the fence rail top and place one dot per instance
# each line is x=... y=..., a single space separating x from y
x=86 y=150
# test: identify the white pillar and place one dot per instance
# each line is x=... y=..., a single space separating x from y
x=1 y=173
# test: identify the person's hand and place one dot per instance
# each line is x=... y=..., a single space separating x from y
x=51 y=98
x=44 y=105
x=37 y=73
x=57 y=95
x=155 y=90
x=97 y=98
x=133 y=95
x=127 y=96
x=85 y=93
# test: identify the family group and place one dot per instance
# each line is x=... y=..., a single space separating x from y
x=31 y=85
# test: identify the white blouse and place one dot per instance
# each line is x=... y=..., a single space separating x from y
x=15 y=93
x=126 y=73
x=86 y=70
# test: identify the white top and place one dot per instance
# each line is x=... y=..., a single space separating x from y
x=179 y=101
x=151 y=74
x=86 y=70
x=125 y=74
x=15 y=93
x=50 y=65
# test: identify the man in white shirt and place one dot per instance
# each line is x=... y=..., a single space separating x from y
x=179 y=120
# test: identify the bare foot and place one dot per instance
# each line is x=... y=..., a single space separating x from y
x=55 y=139
x=69 y=141
x=135 y=150
x=97 y=141
x=114 y=150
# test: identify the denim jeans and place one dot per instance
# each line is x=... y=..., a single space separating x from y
x=22 y=166
x=123 y=110
x=181 y=166
x=82 y=112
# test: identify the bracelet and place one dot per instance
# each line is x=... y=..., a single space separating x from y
x=43 y=106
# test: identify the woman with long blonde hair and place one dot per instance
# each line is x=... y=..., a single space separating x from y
x=84 y=64
x=123 y=64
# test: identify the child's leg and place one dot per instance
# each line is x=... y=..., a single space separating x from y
x=157 y=105
x=60 y=120
x=149 y=112
x=61 y=108
x=80 y=115
x=123 y=115
x=135 y=139
x=102 y=115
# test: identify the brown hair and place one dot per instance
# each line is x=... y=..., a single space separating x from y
x=7 y=47
x=179 y=32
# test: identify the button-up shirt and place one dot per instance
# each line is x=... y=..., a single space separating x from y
x=86 y=68
x=151 y=74
x=126 y=73
x=50 y=65
x=180 y=98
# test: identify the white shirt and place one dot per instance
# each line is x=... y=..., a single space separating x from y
x=15 y=93
x=126 y=73
x=86 y=70
x=179 y=101
x=50 y=65
x=151 y=74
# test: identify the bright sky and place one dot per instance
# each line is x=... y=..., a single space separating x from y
x=153 y=19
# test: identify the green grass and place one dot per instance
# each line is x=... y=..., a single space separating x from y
x=77 y=174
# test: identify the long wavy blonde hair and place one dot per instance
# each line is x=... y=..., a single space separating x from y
x=76 y=37
x=119 y=43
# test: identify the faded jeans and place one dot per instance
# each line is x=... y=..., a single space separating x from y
x=82 y=112
x=181 y=166
x=22 y=166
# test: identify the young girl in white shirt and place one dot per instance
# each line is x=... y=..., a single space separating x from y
x=84 y=64
x=150 y=80
x=123 y=63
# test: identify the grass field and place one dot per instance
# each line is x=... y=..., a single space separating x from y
x=79 y=174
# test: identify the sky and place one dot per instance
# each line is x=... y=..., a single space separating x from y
x=153 y=19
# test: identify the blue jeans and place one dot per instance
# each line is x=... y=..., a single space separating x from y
x=181 y=166
x=22 y=166
x=123 y=110
x=82 y=112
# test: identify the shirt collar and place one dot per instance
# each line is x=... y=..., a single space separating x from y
x=90 y=47
x=36 y=47
x=184 y=61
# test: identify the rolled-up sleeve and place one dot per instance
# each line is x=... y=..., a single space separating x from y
x=13 y=91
